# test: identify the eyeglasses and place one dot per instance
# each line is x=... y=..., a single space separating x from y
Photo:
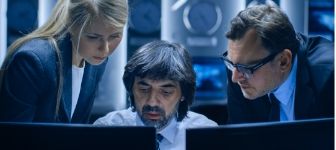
x=247 y=71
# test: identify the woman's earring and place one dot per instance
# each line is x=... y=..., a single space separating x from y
x=182 y=99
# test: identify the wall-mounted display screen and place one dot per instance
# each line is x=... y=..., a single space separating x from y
x=210 y=78
x=321 y=18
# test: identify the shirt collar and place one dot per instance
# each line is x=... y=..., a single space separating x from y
x=138 y=121
x=284 y=92
x=169 y=132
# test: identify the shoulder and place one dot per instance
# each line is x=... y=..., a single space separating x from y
x=36 y=50
x=193 y=120
x=36 y=56
x=317 y=54
x=318 y=50
x=39 y=46
x=115 y=118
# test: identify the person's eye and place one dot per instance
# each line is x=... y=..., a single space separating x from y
x=92 y=37
x=167 y=92
x=144 y=90
x=245 y=70
x=114 y=37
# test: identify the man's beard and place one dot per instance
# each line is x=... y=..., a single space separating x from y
x=160 y=123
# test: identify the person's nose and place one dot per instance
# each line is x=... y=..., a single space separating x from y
x=104 y=46
x=153 y=99
x=237 y=76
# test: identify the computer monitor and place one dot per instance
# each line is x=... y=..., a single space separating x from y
x=38 y=136
x=210 y=78
x=316 y=134
x=321 y=18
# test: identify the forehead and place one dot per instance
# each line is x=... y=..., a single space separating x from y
x=99 y=26
x=157 y=83
x=247 y=49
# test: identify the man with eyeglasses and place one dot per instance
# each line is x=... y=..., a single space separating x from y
x=276 y=74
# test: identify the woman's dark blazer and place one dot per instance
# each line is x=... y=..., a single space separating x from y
x=30 y=85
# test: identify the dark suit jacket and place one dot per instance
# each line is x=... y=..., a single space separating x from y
x=314 y=96
x=29 y=88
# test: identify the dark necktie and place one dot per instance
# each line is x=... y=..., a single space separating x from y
x=274 y=114
x=159 y=138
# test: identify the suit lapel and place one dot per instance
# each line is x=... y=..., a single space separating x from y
x=85 y=99
x=67 y=93
x=66 y=99
x=305 y=96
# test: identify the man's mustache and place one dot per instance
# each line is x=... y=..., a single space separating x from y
x=148 y=108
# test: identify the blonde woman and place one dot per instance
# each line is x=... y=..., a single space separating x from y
x=51 y=74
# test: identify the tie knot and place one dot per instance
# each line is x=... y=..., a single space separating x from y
x=159 y=138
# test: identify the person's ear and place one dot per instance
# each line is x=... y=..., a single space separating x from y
x=286 y=60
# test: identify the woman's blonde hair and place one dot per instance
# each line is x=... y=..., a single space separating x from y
x=69 y=15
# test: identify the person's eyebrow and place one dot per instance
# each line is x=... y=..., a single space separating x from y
x=249 y=63
x=143 y=83
x=168 y=85
x=97 y=34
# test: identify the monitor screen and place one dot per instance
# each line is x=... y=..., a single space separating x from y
x=321 y=18
x=48 y=136
x=314 y=134
x=210 y=78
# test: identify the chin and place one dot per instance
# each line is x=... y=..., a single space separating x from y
x=250 y=96
x=95 y=62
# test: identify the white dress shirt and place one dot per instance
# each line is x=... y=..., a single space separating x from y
x=173 y=134
x=77 y=77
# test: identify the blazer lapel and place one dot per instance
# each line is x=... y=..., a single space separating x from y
x=67 y=93
x=85 y=99
x=66 y=99
x=305 y=96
